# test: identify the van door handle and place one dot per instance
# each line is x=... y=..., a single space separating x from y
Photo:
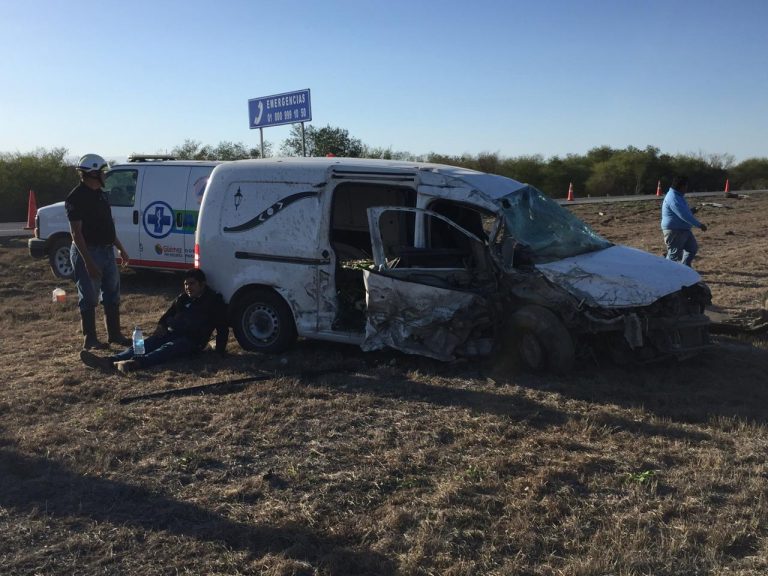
x=135 y=216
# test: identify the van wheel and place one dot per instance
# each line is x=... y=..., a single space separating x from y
x=58 y=258
x=263 y=322
x=541 y=341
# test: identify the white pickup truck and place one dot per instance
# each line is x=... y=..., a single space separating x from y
x=155 y=201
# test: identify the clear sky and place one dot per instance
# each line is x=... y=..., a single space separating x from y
x=548 y=77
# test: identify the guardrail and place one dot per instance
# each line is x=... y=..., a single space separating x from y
x=8 y=229
x=641 y=197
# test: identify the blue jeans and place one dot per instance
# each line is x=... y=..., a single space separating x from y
x=681 y=246
x=159 y=349
x=90 y=291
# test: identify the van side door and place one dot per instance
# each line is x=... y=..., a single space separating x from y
x=431 y=285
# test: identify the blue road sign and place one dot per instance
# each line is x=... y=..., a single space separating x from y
x=286 y=108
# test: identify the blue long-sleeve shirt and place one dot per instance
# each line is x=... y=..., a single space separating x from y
x=675 y=213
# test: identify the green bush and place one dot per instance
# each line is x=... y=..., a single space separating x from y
x=45 y=172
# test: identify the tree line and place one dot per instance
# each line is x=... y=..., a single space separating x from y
x=603 y=171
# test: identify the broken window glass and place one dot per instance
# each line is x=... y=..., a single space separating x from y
x=547 y=230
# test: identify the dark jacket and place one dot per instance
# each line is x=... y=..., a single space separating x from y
x=197 y=318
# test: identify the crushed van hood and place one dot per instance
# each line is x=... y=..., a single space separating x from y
x=619 y=277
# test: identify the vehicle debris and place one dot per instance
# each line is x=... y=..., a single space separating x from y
x=748 y=322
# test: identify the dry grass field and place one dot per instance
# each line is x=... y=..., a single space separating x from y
x=341 y=462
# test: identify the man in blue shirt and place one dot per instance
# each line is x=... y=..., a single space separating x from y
x=677 y=219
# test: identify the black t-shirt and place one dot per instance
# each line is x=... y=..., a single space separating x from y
x=92 y=209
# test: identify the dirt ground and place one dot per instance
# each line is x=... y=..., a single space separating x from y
x=733 y=252
x=342 y=462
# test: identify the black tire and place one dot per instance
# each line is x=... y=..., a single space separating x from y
x=540 y=340
x=58 y=258
x=263 y=322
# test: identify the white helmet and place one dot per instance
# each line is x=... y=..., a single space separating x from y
x=91 y=162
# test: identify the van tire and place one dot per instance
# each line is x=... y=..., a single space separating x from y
x=540 y=340
x=58 y=258
x=263 y=322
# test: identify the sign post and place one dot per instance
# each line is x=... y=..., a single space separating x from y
x=277 y=109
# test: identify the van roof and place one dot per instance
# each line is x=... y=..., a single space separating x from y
x=315 y=170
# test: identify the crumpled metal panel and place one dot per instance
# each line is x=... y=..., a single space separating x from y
x=419 y=319
x=619 y=277
x=492 y=185
x=456 y=190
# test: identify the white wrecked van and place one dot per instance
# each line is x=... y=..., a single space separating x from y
x=432 y=260
x=154 y=201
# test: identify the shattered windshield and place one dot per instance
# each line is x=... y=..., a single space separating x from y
x=550 y=231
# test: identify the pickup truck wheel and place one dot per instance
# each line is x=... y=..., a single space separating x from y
x=263 y=322
x=541 y=341
x=58 y=258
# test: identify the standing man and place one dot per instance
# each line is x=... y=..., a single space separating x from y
x=183 y=331
x=93 y=259
x=677 y=219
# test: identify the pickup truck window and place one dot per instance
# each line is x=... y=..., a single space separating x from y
x=120 y=187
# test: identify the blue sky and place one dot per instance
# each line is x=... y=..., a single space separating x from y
x=548 y=77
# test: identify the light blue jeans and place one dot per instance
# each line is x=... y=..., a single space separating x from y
x=681 y=246
x=90 y=291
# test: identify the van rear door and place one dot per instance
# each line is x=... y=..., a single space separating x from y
x=198 y=179
x=162 y=209
x=429 y=291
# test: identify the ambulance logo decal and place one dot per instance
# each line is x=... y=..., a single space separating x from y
x=278 y=206
x=158 y=219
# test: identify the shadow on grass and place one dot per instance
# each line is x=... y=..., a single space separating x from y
x=34 y=484
x=728 y=382
x=509 y=404
x=385 y=374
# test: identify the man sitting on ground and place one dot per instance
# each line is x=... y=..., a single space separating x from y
x=184 y=330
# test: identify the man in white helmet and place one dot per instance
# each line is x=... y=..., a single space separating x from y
x=93 y=241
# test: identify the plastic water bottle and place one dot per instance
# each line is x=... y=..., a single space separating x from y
x=138 y=342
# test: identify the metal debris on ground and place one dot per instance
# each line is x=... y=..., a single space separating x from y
x=742 y=322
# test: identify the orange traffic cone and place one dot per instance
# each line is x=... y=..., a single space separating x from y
x=727 y=186
x=658 y=188
x=570 y=192
x=31 y=210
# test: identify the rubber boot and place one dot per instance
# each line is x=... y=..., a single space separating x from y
x=112 y=322
x=88 y=325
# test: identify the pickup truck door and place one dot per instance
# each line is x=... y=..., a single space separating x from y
x=428 y=291
x=121 y=188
